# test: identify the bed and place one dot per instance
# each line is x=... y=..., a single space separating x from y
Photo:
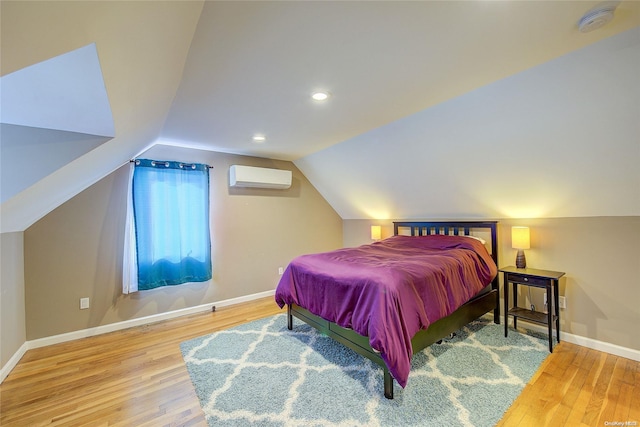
x=392 y=298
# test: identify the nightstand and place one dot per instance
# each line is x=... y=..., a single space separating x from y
x=540 y=279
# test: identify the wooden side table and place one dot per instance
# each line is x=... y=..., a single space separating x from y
x=540 y=279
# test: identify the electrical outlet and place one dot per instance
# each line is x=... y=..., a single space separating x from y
x=280 y=271
x=84 y=303
x=562 y=301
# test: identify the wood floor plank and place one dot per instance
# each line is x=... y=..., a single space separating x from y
x=634 y=408
x=623 y=405
x=596 y=403
x=137 y=377
x=593 y=362
x=560 y=396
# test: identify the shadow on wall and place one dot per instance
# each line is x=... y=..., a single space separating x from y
x=589 y=327
x=106 y=287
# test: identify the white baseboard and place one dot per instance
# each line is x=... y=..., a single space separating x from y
x=13 y=361
x=56 y=339
x=70 y=336
x=606 y=347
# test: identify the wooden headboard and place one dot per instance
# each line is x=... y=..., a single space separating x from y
x=455 y=228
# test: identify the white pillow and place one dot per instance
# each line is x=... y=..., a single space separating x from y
x=481 y=240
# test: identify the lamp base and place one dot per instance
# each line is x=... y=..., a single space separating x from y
x=521 y=261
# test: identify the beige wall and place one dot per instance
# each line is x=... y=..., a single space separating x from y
x=12 y=318
x=601 y=259
x=76 y=250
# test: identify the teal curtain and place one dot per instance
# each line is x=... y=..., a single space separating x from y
x=171 y=220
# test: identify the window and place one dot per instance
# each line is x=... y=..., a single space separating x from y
x=168 y=225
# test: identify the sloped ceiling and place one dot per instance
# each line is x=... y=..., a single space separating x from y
x=64 y=93
x=142 y=47
x=29 y=154
x=253 y=65
x=51 y=113
x=211 y=74
x=561 y=139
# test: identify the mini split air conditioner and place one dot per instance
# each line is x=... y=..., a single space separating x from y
x=250 y=176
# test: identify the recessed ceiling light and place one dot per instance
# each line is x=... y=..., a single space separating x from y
x=320 y=96
x=259 y=138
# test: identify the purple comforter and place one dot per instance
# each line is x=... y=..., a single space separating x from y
x=389 y=290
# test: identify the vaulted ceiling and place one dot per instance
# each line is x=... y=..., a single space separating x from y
x=252 y=66
x=213 y=74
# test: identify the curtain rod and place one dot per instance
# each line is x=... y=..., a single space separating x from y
x=134 y=160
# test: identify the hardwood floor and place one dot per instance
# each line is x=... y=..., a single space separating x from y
x=133 y=377
x=578 y=386
x=136 y=377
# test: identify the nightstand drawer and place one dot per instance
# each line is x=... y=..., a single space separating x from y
x=527 y=280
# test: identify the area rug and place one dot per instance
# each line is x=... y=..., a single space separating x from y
x=263 y=374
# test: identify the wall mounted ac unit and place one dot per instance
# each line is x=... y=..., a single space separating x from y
x=250 y=176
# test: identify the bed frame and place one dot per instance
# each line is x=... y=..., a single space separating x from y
x=485 y=301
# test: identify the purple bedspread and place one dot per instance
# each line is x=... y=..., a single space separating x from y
x=389 y=290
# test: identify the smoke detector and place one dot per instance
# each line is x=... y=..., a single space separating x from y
x=597 y=17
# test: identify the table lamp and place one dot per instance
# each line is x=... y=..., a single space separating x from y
x=376 y=232
x=520 y=240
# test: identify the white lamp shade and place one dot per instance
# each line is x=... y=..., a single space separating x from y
x=376 y=232
x=520 y=238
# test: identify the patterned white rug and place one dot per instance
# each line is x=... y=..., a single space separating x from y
x=262 y=374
